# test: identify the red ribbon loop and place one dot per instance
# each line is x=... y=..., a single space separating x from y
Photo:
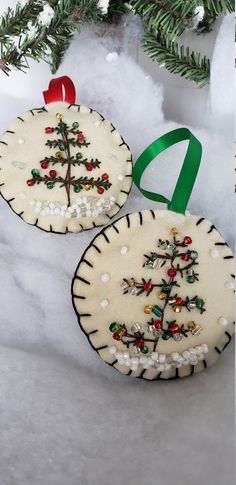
x=60 y=89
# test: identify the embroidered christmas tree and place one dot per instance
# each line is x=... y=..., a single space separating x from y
x=65 y=138
x=179 y=261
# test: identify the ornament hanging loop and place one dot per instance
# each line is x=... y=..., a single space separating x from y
x=188 y=173
x=60 y=89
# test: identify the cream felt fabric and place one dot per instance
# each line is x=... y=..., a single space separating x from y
x=23 y=147
x=106 y=263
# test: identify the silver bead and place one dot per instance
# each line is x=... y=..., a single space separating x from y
x=191 y=305
x=172 y=300
x=124 y=285
x=132 y=290
x=135 y=349
x=135 y=328
x=197 y=330
x=150 y=328
x=190 y=272
x=178 y=337
x=171 y=246
x=162 y=244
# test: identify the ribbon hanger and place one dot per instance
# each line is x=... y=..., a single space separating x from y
x=188 y=173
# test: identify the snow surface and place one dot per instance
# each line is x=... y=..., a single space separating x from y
x=66 y=417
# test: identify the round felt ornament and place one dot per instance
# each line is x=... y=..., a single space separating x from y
x=154 y=291
x=63 y=167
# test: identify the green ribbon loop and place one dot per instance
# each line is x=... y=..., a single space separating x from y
x=188 y=173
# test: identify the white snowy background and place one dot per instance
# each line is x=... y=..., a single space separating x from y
x=66 y=418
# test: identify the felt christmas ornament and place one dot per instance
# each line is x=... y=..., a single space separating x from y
x=154 y=290
x=63 y=167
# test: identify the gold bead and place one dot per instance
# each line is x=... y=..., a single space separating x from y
x=59 y=116
x=148 y=309
x=131 y=282
x=162 y=296
x=87 y=187
x=191 y=326
x=174 y=231
x=59 y=155
x=121 y=332
x=177 y=308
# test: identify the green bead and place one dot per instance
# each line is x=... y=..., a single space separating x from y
x=144 y=349
x=166 y=335
x=50 y=185
x=199 y=302
x=35 y=172
x=190 y=279
x=157 y=311
x=79 y=156
x=166 y=289
x=114 y=327
x=61 y=146
x=75 y=125
x=193 y=255
x=77 y=189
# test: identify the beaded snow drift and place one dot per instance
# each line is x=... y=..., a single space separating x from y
x=64 y=168
x=154 y=294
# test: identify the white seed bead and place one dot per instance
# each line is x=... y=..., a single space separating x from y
x=125 y=355
x=127 y=362
x=100 y=210
x=229 y=285
x=120 y=177
x=175 y=356
x=162 y=358
x=135 y=361
x=215 y=253
x=95 y=213
x=62 y=213
x=112 y=349
x=84 y=200
x=21 y=141
x=70 y=210
x=78 y=201
x=105 y=277
x=51 y=205
x=123 y=250
x=204 y=348
x=186 y=354
x=38 y=203
x=104 y=303
x=223 y=321
x=198 y=349
x=68 y=215
x=143 y=360
x=88 y=213
x=192 y=351
x=64 y=207
x=57 y=211
x=154 y=355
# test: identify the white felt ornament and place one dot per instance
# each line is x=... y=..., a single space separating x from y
x=166 y=309
x=63 y=167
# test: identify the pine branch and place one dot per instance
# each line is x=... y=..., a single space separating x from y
x=178 y=59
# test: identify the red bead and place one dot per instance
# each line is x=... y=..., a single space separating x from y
x=53 y=173
x=105 y=176
x=30 y=182
x=148 y=287
x=116 y=336
x=139 y=344
x=158 y=324
x=81 y=137
x=171 y=272
x=44 y=164
x=89 y=167
x=49 y=129
x=185 y=257
x=179 y=301
x=174 y=328
x=100 y=190
x=187 y=240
